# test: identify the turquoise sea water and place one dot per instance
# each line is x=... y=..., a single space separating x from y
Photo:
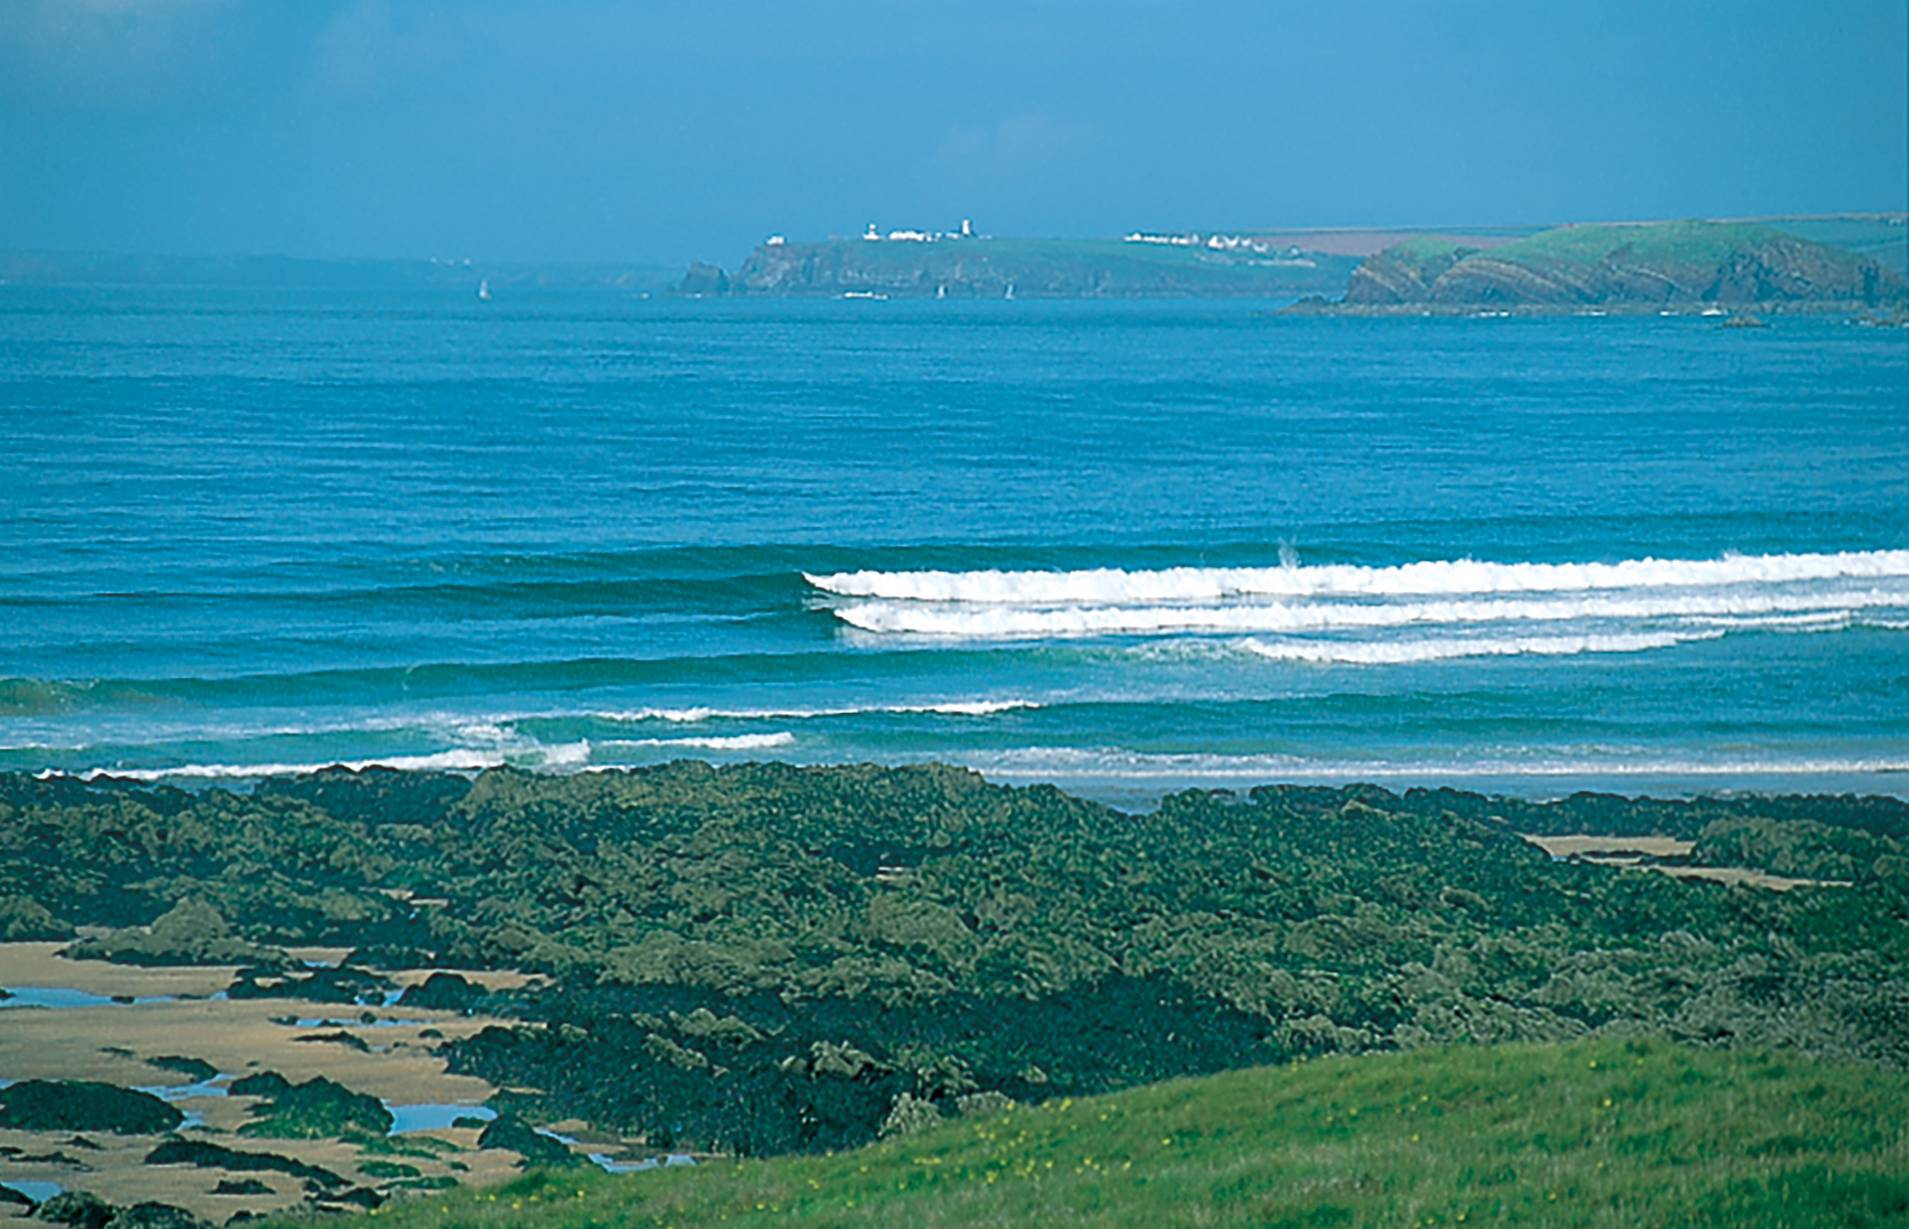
x=1126 y=547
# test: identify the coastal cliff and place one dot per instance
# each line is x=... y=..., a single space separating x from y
x=1620 y=267
x=986 y=268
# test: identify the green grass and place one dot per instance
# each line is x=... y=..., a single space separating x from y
x=1602 y=1133
x=1656 y=242
x=1421 y=248
x=1874 y=237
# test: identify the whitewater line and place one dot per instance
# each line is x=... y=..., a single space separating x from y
x=1108 y=763
x=999 y=622
x=1430 y=577
x=1384 y=653
x=730 y=742
x=695 y=715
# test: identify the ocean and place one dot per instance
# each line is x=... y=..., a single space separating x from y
x=1124 y=547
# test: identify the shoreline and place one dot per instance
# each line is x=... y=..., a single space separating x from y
x=1143 y=792
x=366 y=985
x=1863 y=314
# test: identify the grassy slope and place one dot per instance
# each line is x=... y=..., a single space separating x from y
x=1874 y=237
x=1705 y=243
x=1601 y=1133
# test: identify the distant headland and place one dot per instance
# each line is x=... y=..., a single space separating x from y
x=1854 y=262
x=963 y=264
x=1851 y=261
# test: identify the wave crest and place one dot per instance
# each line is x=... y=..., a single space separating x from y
x=714 y=742
x=1425 y=578
x=1010 y=622
x=1405 y=652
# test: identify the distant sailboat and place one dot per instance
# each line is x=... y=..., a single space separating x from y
x=941 y=292
x=1010 y=293
x=483 y=290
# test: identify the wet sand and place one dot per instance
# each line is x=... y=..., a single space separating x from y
x=107 y=1042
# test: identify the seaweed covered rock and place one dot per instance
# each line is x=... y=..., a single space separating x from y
x=156 y=1216
x=443 y=992
x=513 y=1134
x=191 y=932
x=23 y=919
x=241 y=1186
x=86 y=1211
x=339 y=1037
x=363 y=1197
x=376 y=795
x=204 y=1155
x=259 y=1084
x=84 y=1105
x=195 y=1069
x=823 y=938
x=344 y=984
x=318 y=1109
x=81 y=1209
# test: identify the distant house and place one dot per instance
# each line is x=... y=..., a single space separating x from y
x=775 y=241
x=912 y=235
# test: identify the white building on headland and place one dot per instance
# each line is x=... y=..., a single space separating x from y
x=1215 y=243
x=775 y=241
x=904 y=235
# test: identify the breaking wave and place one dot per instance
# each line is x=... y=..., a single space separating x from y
x=698 y=715
x=1387 y=653
x=1021 y=622
x=1112 y=763
x=1427 y=578
x=552 y=759
x=731 y=742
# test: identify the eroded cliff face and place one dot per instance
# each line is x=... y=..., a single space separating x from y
x=1664 y=264
x=1403 y=273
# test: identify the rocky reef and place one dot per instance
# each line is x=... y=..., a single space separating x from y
x=84 y=1105
x=191 y=932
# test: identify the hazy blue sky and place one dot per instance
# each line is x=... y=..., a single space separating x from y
x=664 y=131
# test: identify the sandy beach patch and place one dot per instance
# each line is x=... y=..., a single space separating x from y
x=1643 y=852
x=1586 y=846
x=109 y=1041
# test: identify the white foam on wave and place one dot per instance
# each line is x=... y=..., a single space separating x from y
x=560 y=758
x=1426 y=578
x=1825 y=620
x=1021 y=622
x=730 y=742
x=487 y=740
x=1405 y=652
x=1115 y=764
x=698 y=715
